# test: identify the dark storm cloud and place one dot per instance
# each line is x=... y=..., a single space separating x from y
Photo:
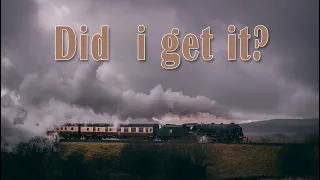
x=16 y=17
x=292 y=52
x=285 y=82
x=22 y=42
x=294 y=29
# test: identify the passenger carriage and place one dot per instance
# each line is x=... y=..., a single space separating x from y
x=101 y=130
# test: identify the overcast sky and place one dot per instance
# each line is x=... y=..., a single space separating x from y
x=285 y=83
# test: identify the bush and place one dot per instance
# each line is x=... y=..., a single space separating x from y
x=29 y=160
x=187 y=161
x=299 y=160
x=36 y=159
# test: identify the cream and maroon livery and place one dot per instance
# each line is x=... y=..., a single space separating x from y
x=99 y=131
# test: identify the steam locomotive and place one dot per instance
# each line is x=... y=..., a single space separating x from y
x=226 y=133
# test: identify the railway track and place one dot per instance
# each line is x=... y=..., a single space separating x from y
x=154 y=142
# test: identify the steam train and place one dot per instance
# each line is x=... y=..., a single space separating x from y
x=224 y=133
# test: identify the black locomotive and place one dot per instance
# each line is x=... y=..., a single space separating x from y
x=225 y=133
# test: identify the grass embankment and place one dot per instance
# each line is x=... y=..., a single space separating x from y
x=141 y=161
x=224 y=161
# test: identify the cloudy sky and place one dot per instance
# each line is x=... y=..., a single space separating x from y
x=35 y=87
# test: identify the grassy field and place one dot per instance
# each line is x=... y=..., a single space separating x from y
x=224 y=161
x=123 y=161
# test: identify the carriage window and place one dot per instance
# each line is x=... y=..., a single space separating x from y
x=94 y=128
x=125 y=129
x=110 y=129
x=133 y=129
x=87 y=129
x=61 y=128
x=65 y=128
x=71 y=128
x=140 y=129
x=150 y=130
x=98 y=129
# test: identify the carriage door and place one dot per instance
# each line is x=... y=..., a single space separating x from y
x=119 y=130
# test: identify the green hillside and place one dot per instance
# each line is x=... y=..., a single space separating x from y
x=120 y=161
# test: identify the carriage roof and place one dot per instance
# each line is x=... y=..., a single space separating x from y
x=109 y=125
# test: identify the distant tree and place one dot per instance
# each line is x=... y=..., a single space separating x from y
x=33 y=158
x=36 y=145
